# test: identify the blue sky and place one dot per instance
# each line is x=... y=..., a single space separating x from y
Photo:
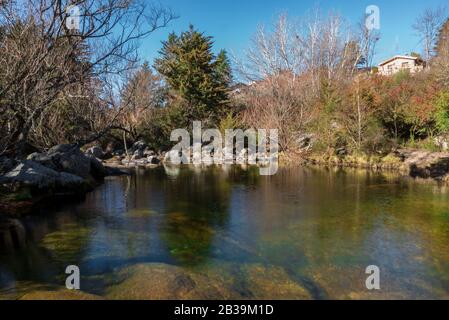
x=232 y=23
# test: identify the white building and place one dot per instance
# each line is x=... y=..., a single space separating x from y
x=399 y=63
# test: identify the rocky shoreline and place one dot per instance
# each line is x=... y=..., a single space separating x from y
x=62 y=171
x=432 y=166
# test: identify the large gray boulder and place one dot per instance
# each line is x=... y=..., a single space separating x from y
x=32 y=174
x=69 y=158
x=97 y=169
x=42 y=159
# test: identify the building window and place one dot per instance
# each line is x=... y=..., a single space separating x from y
x=390 y=69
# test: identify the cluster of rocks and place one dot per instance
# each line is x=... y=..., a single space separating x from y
x=208 y=157
x=425 y=164
x=138 y=155
x=63 y=169
x=141 y=155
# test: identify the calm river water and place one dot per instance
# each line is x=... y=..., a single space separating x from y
x=228 y=233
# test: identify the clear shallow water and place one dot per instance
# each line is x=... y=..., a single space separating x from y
x=217 y=233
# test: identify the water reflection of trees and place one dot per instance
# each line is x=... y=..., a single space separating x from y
x=197 y=206
x=198 y=209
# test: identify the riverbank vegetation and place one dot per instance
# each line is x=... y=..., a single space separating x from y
x=310 y=77
x=319 y=89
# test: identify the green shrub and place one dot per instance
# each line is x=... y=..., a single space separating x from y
x=442 y=114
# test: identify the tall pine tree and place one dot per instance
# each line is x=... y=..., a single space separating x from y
x=223 y=68
x=198 y=80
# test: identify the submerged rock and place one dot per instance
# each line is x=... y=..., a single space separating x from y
x=221 y=281
x=164 y=282
x=348 y=283
x=59 y=294
x=66 y=244
x=256 y=281
x=14 y=289
x=272 y=282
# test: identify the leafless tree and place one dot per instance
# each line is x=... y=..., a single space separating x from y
x=274 y=52
x=368 y=39
x=288 y=66
x=428 y=26
x=45 y=63
x=144 y=94
x=314 y=45
x=279 y=103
